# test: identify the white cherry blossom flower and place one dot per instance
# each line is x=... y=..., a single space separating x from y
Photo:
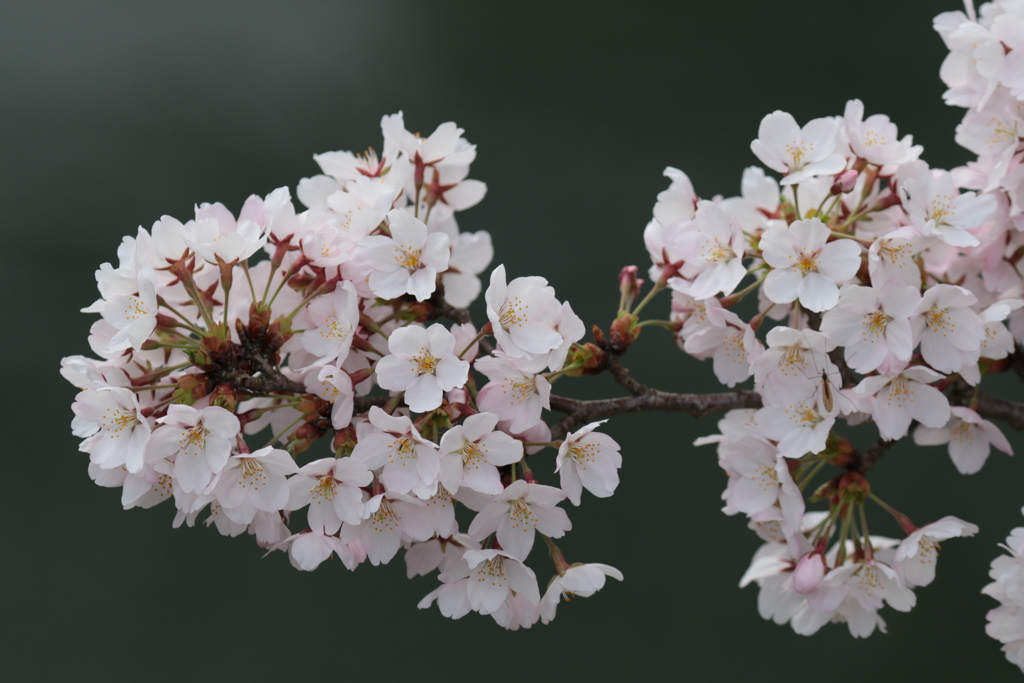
x=891 y=257
x=472 y=252
x=423 y=364
x=333 y=384
x=517 y=513
x=947 y=327
x=799 y=428
x=332 y=488
x=493 y=575
x=875 y=140
x=335 y=319
x=133 y=314
x=801 y=153
x=969 y=437
x=726 y=341
x=391 y=519
x=588 y=459
x=256 y=481
x=523 y=314
x=115 y=432
x=307 y=550
x=200 y=441
x=713 y=248
x=806 y=266
x=471 y=453
x=937 y=209
x=408 y=261
x=790 y=370
x=579 y=580
x=513 y=394
x=424 y=557
x=410 y=462
x=903 y=398
x=917 y=553
x=872 y=323
x=215 y=234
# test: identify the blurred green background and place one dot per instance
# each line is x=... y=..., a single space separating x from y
x=114 y=113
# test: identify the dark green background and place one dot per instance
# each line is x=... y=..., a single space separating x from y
x=112 y=114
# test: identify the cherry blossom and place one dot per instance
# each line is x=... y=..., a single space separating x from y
x=114 y=430
x=408 y=261
x=423 y=365
x=917 y=553
x=472 y=452
x=391 y=518
x=873 y=323
x=905 y=397
x=200 y=440
x=409 y=462
x=331 y=487
x=969 y=437
x=582 y=580
x=588 y=459
x=806 y=266
x=517 y=513
x=801 y=153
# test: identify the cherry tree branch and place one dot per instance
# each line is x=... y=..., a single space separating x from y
x=699 y=405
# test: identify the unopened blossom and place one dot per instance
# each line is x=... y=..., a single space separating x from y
x=409 y=462
x=588 y=459
x=712 y=249
x=801 y=153
x=199 y=440
x=806 y=266
x=471 y=453
x=875 y=139
x=937 y=209
x=903 y=398
x=523 y=314
x=947 y=327
x=423 y=364
x=332 y=488
x=579 y=580
x=970 y=438
x=872 y=323
x=392 y=518
x=256 y=481
x=514 y=394
x=114 y=430
x=517 y=513
x=917 y=553
x=335 y=318
x=408 y=261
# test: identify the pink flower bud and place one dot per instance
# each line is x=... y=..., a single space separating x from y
x=844 y=182
x=809 y=573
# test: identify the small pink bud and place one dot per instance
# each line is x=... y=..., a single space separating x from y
x=629 y=284
x=809 y=573
x=844 y=182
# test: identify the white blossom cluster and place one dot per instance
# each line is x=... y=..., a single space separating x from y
x=984 y=72
x=332 y=336
x=886 y=290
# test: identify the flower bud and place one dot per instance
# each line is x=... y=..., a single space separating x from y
x=844 y=182
x=629 y=285
x=809 y=573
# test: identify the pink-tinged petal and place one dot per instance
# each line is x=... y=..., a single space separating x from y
x=390 y=285
x=488 y=586
x=395 y=373
x=414 y=520
x=423 y=394
x=487 y=520
x=408 y=341
x=516 y=536
x=450 y=474
x=840 y=260
x=817 y=292
x=777 y=247
x=571 y=483
x=523 y=581
x=451 y=373
x=399 y=479
x=535 y=337
x=480 y=425
x=381 y=546
x=783 y=286
x=422 y=283
x=483 y=478
x=500 y=448
x=553 y=522
x=271 y=495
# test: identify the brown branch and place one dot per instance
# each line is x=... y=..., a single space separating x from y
x=1010 y=412
x=699 y=405
x=864 y=463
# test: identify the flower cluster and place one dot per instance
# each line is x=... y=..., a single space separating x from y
x=334 y=337
x=885 y=291
x=863 y=295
